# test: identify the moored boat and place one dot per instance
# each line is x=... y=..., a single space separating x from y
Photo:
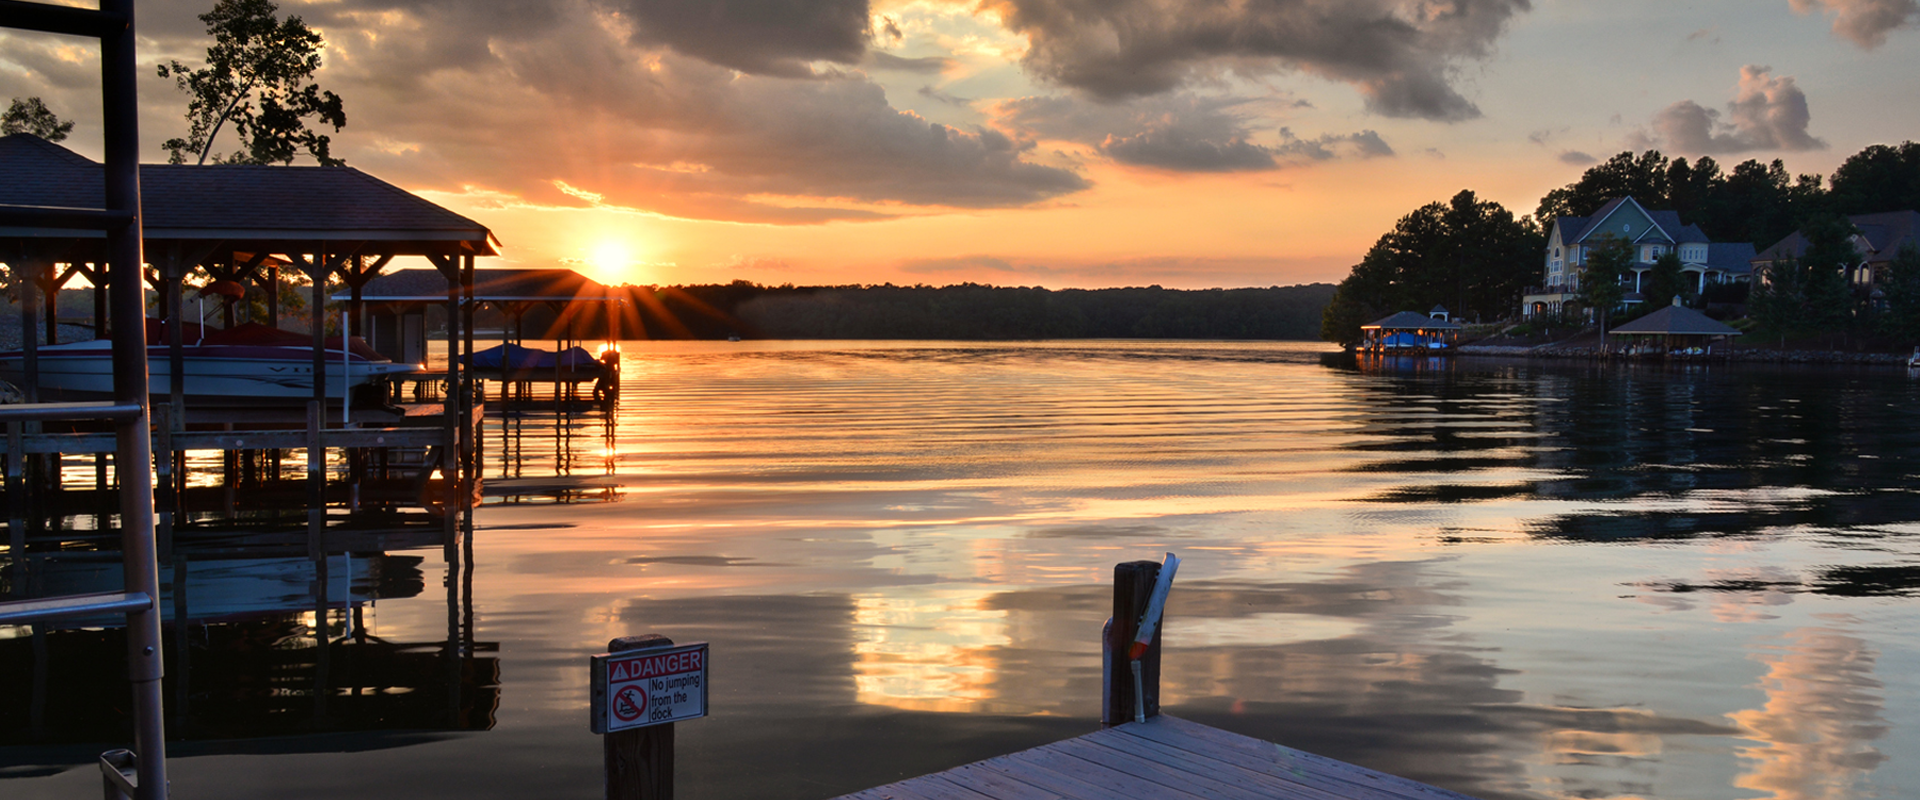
x=244 y=364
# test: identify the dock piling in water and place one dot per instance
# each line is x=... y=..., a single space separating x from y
x=639 y=761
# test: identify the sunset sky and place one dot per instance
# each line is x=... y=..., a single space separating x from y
x=1059 y=143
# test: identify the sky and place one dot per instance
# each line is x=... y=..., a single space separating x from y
x=1058 y=143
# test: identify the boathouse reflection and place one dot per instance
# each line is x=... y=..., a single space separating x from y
x=258 y=645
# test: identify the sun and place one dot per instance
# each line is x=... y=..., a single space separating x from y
x=613 y=261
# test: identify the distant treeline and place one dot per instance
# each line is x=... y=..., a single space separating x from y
x=973 y=311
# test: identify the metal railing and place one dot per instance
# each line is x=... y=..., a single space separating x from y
x=140 y=772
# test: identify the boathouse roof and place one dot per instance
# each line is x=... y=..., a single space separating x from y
x=1411 y=321
x=489 y=286
x=1675 y=321
x=252 y=206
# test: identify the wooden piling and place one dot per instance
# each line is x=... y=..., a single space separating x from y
x=639 y=761
x=1132 y=586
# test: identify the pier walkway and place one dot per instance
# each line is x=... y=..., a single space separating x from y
x=1164 y=758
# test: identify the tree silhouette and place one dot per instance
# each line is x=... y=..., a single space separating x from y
x=32 y=116
x=256 y=77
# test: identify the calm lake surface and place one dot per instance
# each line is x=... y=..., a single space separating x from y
x=1512 y=579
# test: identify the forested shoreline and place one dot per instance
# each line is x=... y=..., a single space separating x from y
x=1478 y=258
x=979 y=312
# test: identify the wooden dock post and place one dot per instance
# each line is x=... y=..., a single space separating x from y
x=639 y=761
x=1132 y=586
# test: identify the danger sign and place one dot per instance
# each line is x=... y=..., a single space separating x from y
x=637 y=688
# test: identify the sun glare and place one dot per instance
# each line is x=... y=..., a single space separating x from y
x=613 y=261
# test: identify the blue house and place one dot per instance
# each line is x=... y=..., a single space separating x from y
x=1652 y=234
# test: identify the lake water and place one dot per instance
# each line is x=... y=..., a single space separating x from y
x=1512 y=579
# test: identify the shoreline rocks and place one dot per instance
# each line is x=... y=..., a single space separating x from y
x=11 y=339
x=1745 y=355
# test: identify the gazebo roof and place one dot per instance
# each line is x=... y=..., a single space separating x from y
x=251 y=204
x=489 y=286
x=1675 y=321
x=1411 y=321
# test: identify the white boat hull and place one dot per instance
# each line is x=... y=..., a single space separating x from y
x=236 y=373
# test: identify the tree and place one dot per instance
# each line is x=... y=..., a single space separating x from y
x=1902 y=320
x=1878 y=178
x=1606 y=265
x=1826 y=265
x=1467 y=254
x=1666 y=281
x=1809 y=294
x=258 y=78
x=1645 y=178
x=32 y=116
x=1761 y=204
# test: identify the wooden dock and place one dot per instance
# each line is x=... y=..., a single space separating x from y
x=1164 y=758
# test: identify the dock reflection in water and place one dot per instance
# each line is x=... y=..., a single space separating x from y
x=1516 y=580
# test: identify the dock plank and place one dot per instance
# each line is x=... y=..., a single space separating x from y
x=1268 y=781
x=1146 y=770
x=1165 y=758
x=1265 y=755
x=990 y=784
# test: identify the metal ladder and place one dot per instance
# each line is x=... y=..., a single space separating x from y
x=139 y=773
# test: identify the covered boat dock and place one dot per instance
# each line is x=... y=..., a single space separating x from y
x=1675 y=332
x=558 y=304
x=1409 y=332
x=241 y=228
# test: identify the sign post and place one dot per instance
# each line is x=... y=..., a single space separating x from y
x=641 y=686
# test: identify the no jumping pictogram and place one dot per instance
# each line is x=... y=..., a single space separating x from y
x=629 y=703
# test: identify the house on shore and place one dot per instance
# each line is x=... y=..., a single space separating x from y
x=1652 y=234
x=1877 y=238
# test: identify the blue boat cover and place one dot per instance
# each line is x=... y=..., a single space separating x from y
x=515 y=357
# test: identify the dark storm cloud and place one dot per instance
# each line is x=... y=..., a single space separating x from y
x=1180 y=132
x=924 y=66
x=1401 y=54
x=1766 y=113
x=1183 y=150
x=943 y=97
x=1328 y=146
x=1864 y=22
x=762 y=37
x=514 y=100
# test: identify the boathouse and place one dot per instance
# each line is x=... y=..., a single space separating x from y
x=1675 y=331
x=560 y=304
x=241 y=225
x=1409 y=331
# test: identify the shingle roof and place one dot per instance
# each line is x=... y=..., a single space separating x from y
x=1410 y=321
x=1678 y=321
x=1732 y=258
x=1886 y=232
x=1669 y=223
x=1597 y=216
x=238 y=201
x=489 y=285
x=1570 y=227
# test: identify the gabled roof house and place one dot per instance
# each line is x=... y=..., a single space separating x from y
x=1878 y=239
x=1571 y=240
